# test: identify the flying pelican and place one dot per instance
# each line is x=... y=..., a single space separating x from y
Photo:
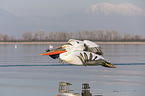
x=79 y=52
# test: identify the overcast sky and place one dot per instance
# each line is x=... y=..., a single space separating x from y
x=67 y=15
x=50 y=8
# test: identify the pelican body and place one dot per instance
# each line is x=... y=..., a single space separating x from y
x=79 y=52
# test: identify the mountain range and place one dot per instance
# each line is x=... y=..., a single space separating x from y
x=124 y=18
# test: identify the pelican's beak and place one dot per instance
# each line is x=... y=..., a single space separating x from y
x=55 y=51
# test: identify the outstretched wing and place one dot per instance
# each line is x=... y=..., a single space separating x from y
x=92 y=47
x=91 y=59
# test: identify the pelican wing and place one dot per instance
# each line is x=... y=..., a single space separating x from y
x=92 y=47
x=91 y=59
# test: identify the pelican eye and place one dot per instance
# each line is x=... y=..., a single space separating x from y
x=77 y=42
x=64 y=46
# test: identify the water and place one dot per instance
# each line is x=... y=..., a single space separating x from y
x=23 y=72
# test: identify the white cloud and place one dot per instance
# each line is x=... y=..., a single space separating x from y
x=123 y=9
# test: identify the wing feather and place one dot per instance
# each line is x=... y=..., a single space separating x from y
x=98 y=60
x=92 y=47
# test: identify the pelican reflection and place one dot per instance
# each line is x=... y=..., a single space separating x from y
x=64 y=90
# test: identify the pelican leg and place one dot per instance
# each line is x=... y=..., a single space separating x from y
x=107 y=64
x=61 y=61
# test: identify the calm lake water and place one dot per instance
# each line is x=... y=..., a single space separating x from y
x=23 y=72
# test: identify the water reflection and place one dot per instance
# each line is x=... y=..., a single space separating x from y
x=64 y=90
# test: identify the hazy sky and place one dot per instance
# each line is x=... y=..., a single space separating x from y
x=67 y=15
x=49 y=8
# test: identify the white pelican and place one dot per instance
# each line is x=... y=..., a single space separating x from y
x=79 y=52
x=50 y=46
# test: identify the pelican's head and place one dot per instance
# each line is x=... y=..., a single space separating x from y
x=77 y=44
x=61 y=49
x=56 y=51
x=68 y=47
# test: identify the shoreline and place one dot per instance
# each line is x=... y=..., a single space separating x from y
x=66 y=42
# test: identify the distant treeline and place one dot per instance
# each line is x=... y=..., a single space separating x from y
x=101 y=35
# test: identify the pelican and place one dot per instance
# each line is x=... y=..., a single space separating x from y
x=78 y=52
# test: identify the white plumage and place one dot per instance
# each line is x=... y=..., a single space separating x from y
x=78 y=52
